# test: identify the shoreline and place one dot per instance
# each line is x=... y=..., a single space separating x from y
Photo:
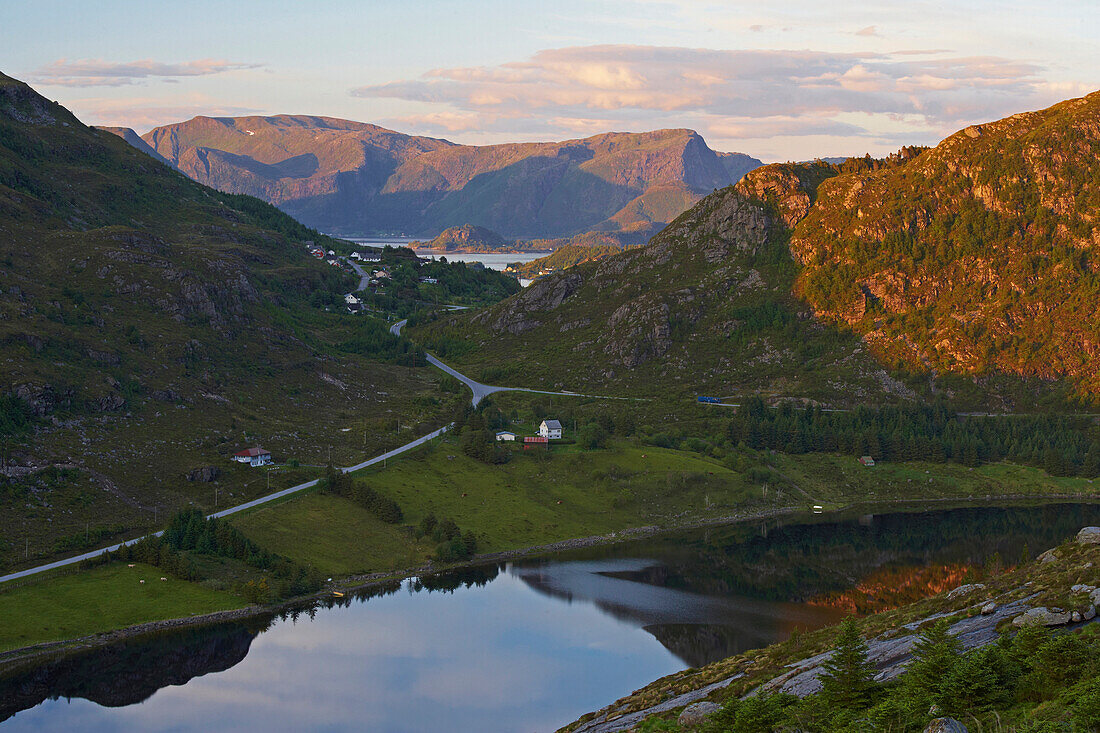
x=28 y=655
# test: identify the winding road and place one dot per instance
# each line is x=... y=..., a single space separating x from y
x=478 y=391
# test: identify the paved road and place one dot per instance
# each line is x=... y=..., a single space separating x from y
x=478 y=390
x=233 y=510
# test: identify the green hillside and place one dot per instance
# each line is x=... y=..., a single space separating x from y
x=150 y=326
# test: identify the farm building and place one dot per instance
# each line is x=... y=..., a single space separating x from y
x=535 y=442
x=867 y=461
x=550 y=429
x=506 y=435
x=253 y=456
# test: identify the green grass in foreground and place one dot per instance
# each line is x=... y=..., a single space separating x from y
x=101 y=599
x=332 y=534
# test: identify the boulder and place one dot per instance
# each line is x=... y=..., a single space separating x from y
x=206 y=474
x=945 y=725
x=1089 y=536
x=963 y=590
x=989 y=608
x=1047 y=556
x=696 y=713
x=1042 y=616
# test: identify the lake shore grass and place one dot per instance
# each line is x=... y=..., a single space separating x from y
x=101 y=599
x=531 y=506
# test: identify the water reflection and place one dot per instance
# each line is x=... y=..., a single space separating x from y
x=523 y=647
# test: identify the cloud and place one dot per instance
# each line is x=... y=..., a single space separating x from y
x=96 y=72
x=606 y=82
x=868 y=31
x=145 y=113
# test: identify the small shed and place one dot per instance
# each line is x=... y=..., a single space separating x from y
x=506 y=435
x=867 y=461
x=253 y=456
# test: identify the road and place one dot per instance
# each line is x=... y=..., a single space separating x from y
x=233 y=510
x=478 y=391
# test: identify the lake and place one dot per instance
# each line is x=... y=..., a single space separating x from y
x=530 y=645
x=490 y=260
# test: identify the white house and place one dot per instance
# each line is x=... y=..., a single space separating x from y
x=550 y=429
x=506 y=435
x=253 y=456
x=352 y=299
x=429 y=280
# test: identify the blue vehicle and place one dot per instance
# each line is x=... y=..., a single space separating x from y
x=709 y=400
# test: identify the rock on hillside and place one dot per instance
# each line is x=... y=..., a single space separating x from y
x=353 y=177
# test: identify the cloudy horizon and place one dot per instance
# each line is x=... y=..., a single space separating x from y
x=794 y=82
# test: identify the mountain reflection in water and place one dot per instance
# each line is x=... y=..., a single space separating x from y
x=526 y=646
x=696 y=628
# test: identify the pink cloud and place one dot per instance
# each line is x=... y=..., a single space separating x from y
x=97 y=72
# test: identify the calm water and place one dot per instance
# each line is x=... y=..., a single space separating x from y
x=519 y=647
x=492 y=261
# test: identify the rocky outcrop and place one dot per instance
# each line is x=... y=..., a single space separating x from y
x=204 y=474
x=1089 y=536
x=697 y=713
x=467 y=238
x=945 y=725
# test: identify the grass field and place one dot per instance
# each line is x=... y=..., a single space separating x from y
x=332 y=534
x=832 y=479
x=101 y=599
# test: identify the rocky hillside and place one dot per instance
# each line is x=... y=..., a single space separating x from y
x=1058 y=591
x=981 y=255
x=356 y=178
x=706 y=307
x=974 y=263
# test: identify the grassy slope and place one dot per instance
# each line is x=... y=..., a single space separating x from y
x=158 y=326
x=102 y=599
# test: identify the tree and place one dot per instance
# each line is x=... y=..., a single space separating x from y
x=846 y=682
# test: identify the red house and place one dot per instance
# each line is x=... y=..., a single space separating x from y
x=253 y=456
x=535 y=442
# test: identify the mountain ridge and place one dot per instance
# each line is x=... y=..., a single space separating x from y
x=358 y=178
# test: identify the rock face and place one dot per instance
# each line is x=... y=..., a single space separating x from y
x=945 y=725
x=352 y=177
x=206 y=474
x=697 y=713
x=1089 y=536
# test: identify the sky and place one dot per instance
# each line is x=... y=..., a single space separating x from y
x=781 y=80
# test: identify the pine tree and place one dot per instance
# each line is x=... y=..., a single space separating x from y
x=846 y=683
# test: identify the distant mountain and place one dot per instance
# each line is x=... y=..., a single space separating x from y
x=130 y=136
x=738 y=164
x=356 y=178
x=970 y=270
x=467 y=238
